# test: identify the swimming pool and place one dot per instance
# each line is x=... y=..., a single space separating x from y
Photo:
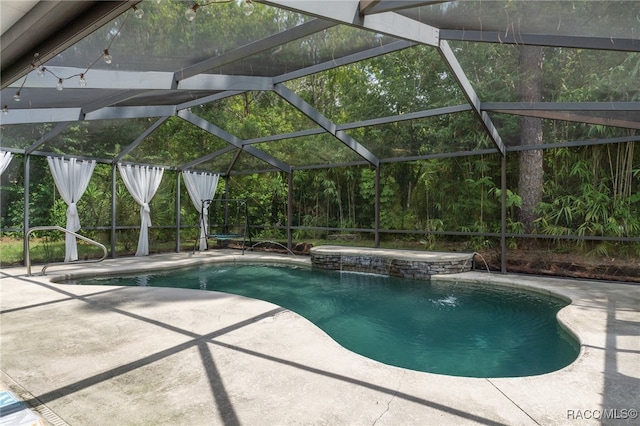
x=440 y=327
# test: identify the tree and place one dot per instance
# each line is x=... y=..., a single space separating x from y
x=531 y=161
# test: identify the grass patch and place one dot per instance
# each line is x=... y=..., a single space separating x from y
x=46 y=250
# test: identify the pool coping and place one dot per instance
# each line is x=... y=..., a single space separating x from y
x=310 y=379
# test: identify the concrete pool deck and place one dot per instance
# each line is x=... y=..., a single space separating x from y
x=84 y=355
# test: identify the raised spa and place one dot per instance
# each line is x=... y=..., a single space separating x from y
x=459 y=329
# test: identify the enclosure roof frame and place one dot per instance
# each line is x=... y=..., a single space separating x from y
x=51 y=27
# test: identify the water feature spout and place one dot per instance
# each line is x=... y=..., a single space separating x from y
x=275 y=243
x=485 y=262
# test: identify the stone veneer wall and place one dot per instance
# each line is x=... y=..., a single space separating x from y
x=419 y=269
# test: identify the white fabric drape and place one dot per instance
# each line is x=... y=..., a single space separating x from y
x=201 y=186
x=71 y=177
x=5 y=159
x=142 y=182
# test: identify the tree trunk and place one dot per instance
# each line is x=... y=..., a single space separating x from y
x=531 y=162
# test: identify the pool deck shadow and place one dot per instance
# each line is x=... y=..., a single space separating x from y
x=139 y=355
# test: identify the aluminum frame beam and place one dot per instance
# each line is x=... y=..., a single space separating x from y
x=148 y=80
x=233 y=162
x=452 y=62
x=577 y=118
x=119 y=113
x=344 y=11
x=326 y=166
x=209 y=99
x=283 y=136
x=100 y=79
x=231 y=139
x=569 y=111
x=58 y=115
x=365 y=123
x=368 y=7
x=348 y=12
x=405 y=117
x=49 y=28
x=226 y=83
x=488 y=151
x=47 y=136
x=305 y=108
x=562 y=106
x=206 y=158
x=402 y=27
x=566 y=41
x=109 y=100
x=346 y=60
x=267 y=43
x=574 y=144
x=41 y=115
x=139 y=139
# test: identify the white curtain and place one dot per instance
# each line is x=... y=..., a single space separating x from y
x=142 y=183
x=71 y=177
x=201 y=186
x=5 y=159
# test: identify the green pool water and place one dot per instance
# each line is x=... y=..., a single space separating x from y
x=440 y=327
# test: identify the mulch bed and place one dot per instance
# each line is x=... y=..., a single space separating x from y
x=565 y=265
